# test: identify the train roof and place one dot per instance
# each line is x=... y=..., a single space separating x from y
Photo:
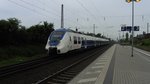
x=69 y=30
x=65 y=30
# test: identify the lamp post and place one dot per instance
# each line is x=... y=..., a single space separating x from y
x=128 y=1
x=132 y=26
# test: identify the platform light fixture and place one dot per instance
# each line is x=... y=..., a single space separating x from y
x=137 y=0
x=128 y=1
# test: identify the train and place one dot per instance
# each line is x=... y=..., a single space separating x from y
x=63 y=40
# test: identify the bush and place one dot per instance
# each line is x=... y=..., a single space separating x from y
x=146 y=42
x=21 y=51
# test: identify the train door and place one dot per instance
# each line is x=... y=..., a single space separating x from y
x=82 y=42
x=75 y=42
x=79 y=42
x=70 y=42
x=85 y=43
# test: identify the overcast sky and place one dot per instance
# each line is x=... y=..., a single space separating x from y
x=107 y=15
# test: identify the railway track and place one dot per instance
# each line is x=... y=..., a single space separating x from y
x=26 y=73
x=66 y=74
x=16 y=68
x=12 y=69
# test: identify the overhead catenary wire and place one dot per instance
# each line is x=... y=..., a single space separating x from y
x=33 y=10
x=85 y=23
x=47 y=5
x=93 y=20
x=68 y=19
x=33 y=5
x=72 y=13
x=88 y=11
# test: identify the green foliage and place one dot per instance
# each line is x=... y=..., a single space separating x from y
x=9 y=31
x=146 y=42
x=12 y=33
x=40 y=33
x=20 y=43
x=98 y=35
x=10 y=52
x=127 y=37
x=14 y=54
x=13 y=24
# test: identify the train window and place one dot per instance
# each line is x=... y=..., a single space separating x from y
x=56 y=36
x=75 y=40
x=79 y=40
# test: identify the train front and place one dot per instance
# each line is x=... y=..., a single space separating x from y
x=54 y=41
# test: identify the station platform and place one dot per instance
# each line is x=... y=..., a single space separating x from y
x=116 y=66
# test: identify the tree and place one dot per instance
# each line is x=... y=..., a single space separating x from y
x=8 y=31
x=39 y=33
x=12 y=33
x=98 y=35
x=4 y=32
x=127 y=37
x=144 y=32
x=13 y=24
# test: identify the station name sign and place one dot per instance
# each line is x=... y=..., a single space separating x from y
x=129 y=28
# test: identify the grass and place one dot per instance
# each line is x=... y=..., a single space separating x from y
x=147 y=48
x=17 y=54
x=144 y=44
x=17 y=60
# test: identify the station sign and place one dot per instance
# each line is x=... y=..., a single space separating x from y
x=129 y=28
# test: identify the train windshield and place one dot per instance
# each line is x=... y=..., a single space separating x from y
x=56 y=36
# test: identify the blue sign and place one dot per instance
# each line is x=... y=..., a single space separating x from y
x=129 y=28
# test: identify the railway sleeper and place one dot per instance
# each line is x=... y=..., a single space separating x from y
x=70 y=73
x=74 y=71
x=65 y=78
x=59 y=80
x=49 y=82
x=66 y=75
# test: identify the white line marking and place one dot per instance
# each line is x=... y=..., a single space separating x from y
x=104 y=58
x=102 y=61
x=95 y=67
x=99 y=63
x=142 y=52
x=94 y=72
x=87 y=80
